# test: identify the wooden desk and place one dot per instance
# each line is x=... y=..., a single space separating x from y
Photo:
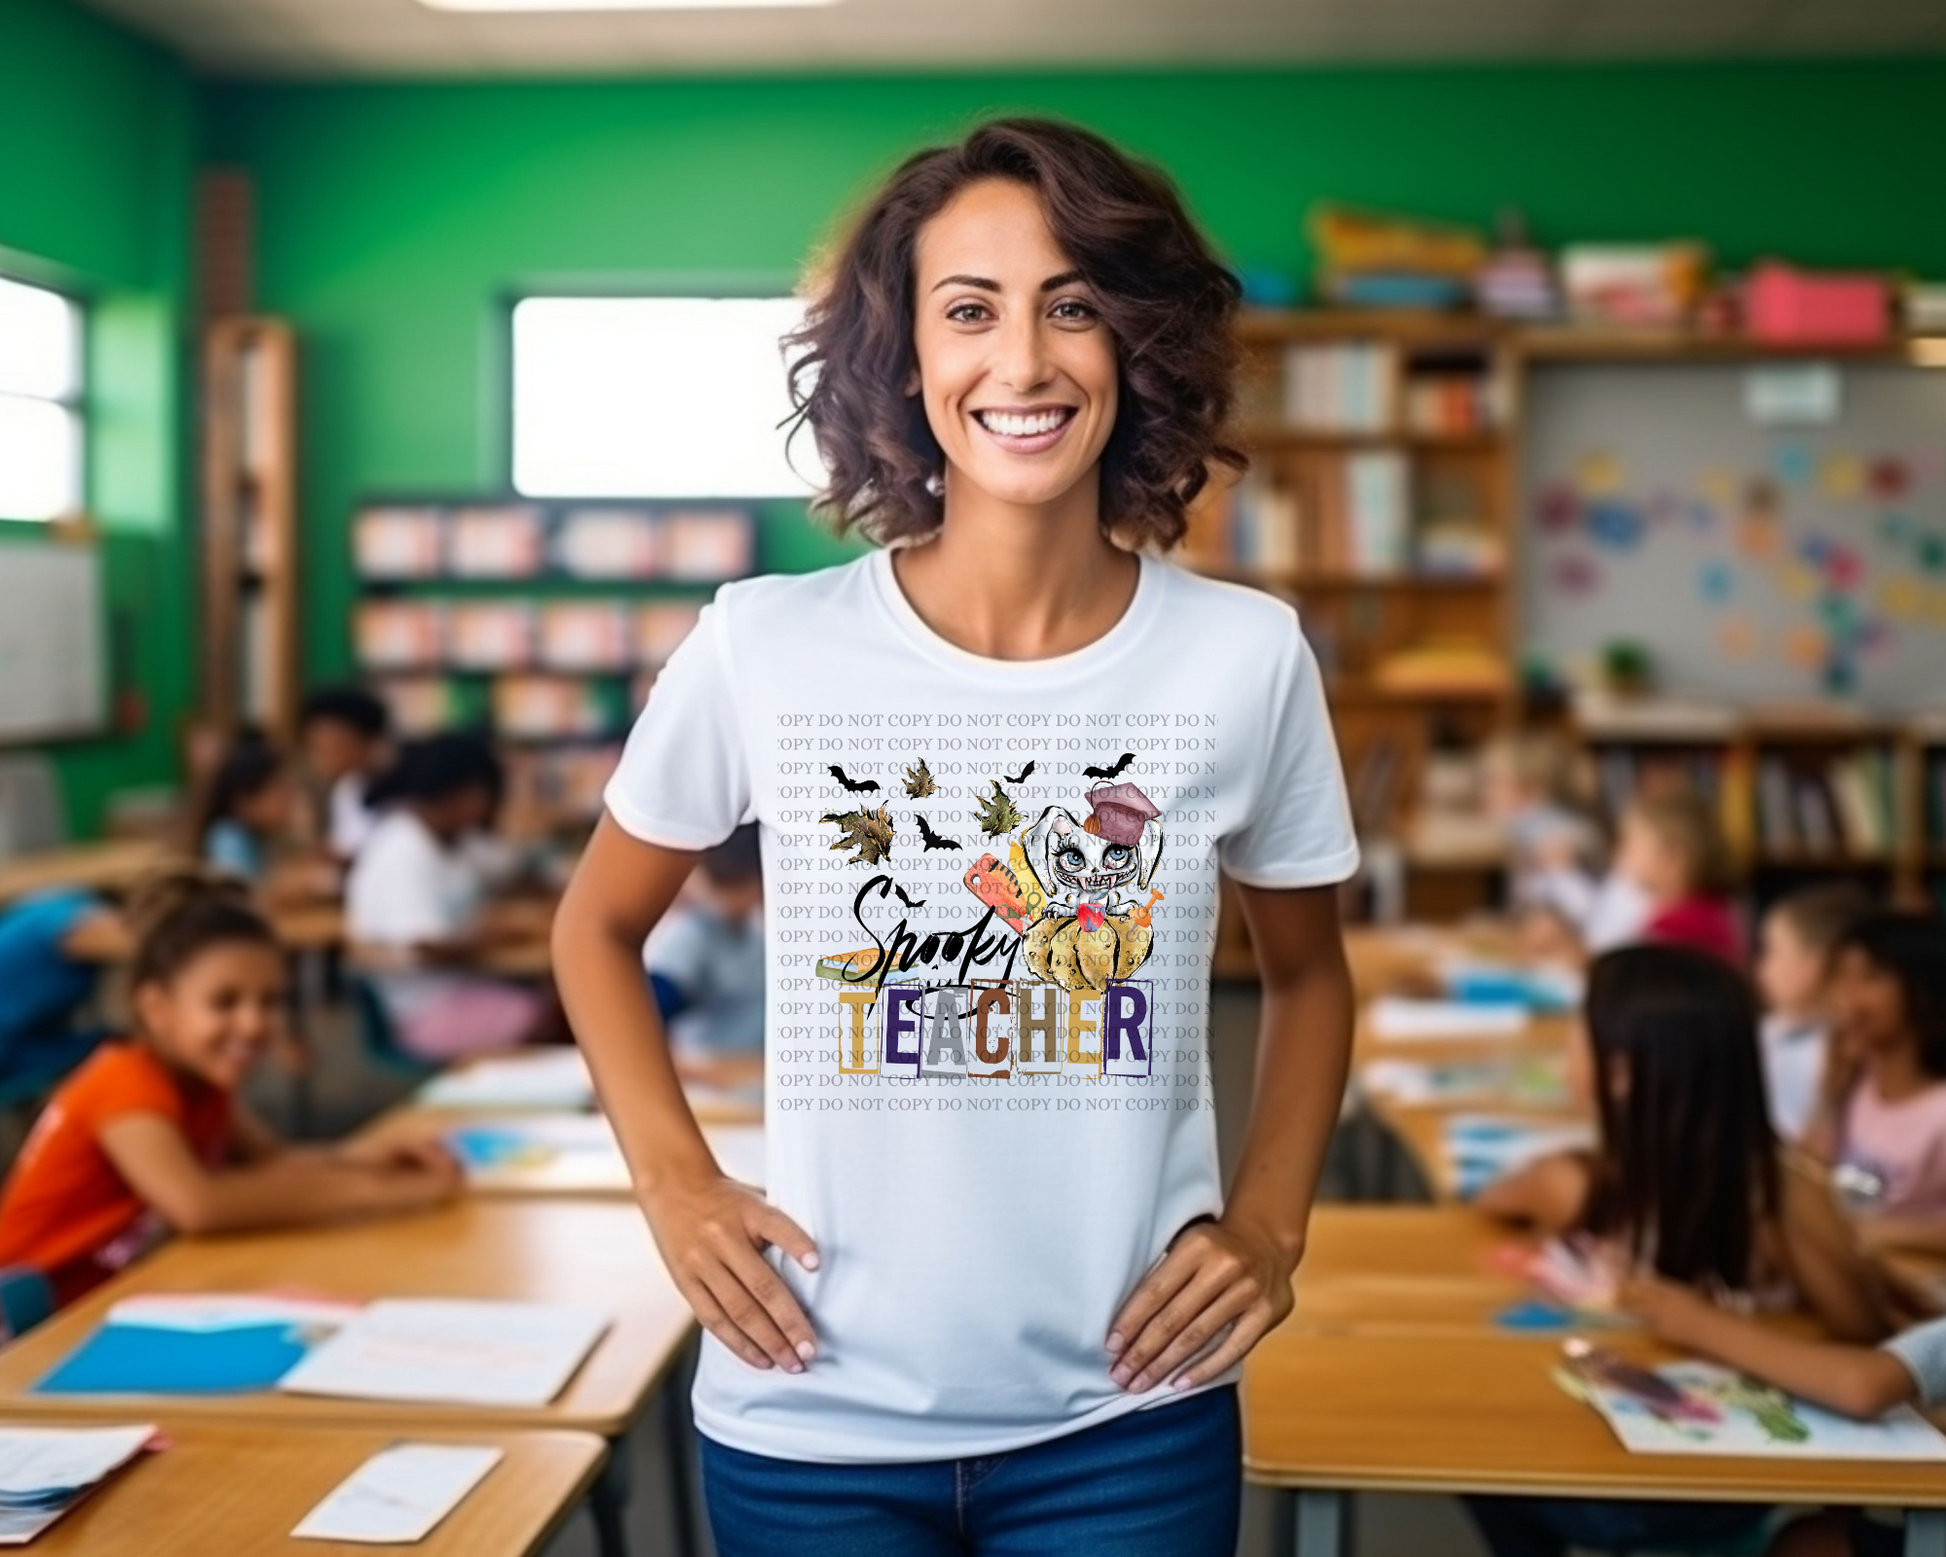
x=588 y=1252
x=1403 y=1270
x=219 y=1489
x=1420 y=1131
x=602 y=1175
x=93 y=866
x=314 y=927
x=1328 y=1414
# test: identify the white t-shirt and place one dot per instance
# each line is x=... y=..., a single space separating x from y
x=405 y=889
x=1793 y=1051
x=351 y=820
x=988 y=1172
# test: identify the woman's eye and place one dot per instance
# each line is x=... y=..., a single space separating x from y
x=966 y=313
x=1072 y=309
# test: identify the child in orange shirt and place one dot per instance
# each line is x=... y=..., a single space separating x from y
x=148 y=1135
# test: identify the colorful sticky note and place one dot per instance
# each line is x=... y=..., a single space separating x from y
x=1936 y=606
x=1616 y=525
x=1840 y=614
x=1843 y=567
x=1717 y=579
x=1758 y=535
x=1797 y=581
x=1932 y=552
x=1814 y=549
x=1804 y=647
x=1791 y=462
x=1760 y=496
x=1843 y=476
x=1901 y=598
x=1575 y=574
x=1556 y=509
x=1599 y=474
x=1736 y=638
x=1718 y=485
x=1840 y=676
x=1895 y=528
x=1888 y=476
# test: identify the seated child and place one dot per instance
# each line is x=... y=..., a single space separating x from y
x=247 y=821
x=1686 y=1183
x=343 y=734
x=46 y=985
x=705 y=957
x=1671 y=846
x=1856 y=1381
x=1798 y=939
x=149 y=1135
x=1551 y=843
x=417 y=911
x=1881 y=1116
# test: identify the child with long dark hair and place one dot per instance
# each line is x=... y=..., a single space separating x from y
x=1881 y=1120
x=149 y=1134
x=1687 y=1183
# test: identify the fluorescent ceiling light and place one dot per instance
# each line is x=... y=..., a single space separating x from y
x=617 y=5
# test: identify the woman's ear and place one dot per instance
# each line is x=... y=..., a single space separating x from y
x=149 y=1003
x=912 y=383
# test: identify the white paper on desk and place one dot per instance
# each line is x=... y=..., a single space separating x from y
x=207 y=1311
x=45 y=1471
x=399 y=1494
x=1394 y=1017
x=451 y=1351
x=555 y=1079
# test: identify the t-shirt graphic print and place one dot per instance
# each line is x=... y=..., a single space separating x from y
x=990 y=907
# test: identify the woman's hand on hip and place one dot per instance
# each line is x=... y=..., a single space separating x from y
x=712 y=1232
x=1222 y=1287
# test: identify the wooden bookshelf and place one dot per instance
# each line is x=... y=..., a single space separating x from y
x=1385 y=464
x=249 y=526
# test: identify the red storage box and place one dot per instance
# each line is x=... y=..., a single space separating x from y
x=1785 y=305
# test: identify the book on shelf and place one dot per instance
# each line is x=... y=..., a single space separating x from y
x=1842 y=805
x=706 y=543
x=1340 y=387
x=608 y=543
x=398 y=634
x=539 y=707
x=1449 y=405
x=660 y=626
x=397 y=542
x=498 y=541
x=490 y=634
x=587 y=635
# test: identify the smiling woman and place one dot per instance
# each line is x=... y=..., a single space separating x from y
x=994 y=1297
x=1085 y=267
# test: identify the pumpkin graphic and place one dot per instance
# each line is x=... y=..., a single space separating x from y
x=1113 y=947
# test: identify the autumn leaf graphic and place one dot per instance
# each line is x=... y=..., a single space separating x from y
x=869 y=832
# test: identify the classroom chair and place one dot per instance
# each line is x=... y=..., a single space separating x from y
x=379 y=1036
x=25 y=1300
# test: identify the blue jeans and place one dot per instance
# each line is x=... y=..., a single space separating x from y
x=1164 y=1481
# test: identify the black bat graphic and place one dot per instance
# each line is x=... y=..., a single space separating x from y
x=838 y=773
x=910 y=902
x=1021 y=776
x=1113 y=770
x=934 y=841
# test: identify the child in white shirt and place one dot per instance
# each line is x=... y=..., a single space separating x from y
x=1796 y=942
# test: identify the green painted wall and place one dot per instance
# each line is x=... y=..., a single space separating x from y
x=396 y=217
x=95 y=198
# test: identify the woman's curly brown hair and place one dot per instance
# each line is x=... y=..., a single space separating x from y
x=1169 y=301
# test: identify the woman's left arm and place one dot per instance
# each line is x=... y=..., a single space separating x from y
x=1236 y=1271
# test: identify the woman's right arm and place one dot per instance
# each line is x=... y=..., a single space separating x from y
x=711 y=1230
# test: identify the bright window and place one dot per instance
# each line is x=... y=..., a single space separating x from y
x=40 y=403
x=655 y=397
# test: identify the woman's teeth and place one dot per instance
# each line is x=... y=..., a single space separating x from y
x=1010 y=425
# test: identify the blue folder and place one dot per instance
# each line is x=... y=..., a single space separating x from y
x=135 y=1359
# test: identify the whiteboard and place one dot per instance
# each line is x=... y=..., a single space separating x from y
x=53 y=681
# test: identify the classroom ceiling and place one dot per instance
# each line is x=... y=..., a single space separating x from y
x=323 y=38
